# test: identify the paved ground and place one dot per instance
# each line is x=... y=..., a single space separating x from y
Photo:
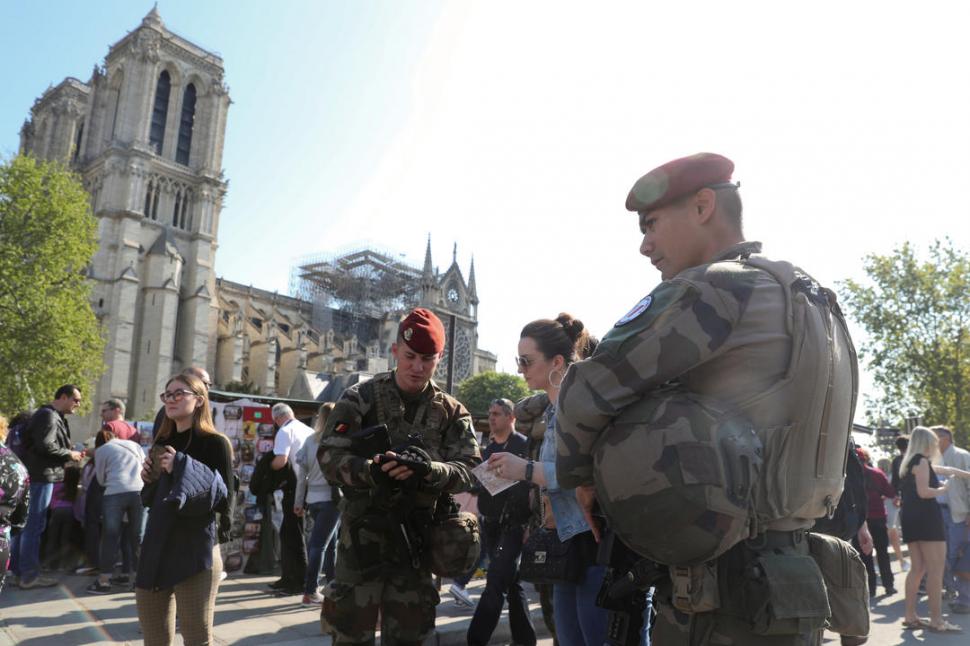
x=247 y=615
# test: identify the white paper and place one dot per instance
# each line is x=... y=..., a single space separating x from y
x=493 y=482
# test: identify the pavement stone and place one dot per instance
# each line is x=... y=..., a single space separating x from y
x=247 y=614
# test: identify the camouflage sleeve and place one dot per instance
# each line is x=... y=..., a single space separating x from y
x=337 y=462
x=683 y=325
x=459 y=454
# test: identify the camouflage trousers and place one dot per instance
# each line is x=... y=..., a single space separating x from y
x=369 y=585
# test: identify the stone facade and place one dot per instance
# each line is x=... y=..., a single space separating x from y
x=146 y=134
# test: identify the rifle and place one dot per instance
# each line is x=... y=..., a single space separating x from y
x=624 y=590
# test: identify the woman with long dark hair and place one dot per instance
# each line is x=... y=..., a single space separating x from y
x=186 y=477
x=546 y=349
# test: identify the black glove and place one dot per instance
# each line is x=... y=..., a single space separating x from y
x=381 y=478
x=416 y=459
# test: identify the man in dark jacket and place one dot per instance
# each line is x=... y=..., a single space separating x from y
x=48 y=448
x=505 y=515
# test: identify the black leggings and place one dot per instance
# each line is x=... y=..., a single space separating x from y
x=880 y=545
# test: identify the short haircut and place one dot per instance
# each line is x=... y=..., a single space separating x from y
x=942 y=429
x=902 y=442
x=115 y=404
x=504 y=404
x=282 y=410
x=66 y=389
x=729 y=203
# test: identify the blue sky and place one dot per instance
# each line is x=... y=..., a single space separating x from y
x=516 y=129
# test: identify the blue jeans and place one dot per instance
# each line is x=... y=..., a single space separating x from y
x=27 y=564
x=113 y=510
x=956 y=534
x=579 y=621
x=322 y=539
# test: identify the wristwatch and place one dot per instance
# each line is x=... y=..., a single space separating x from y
x=529 y=467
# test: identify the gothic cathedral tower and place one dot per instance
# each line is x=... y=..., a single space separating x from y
x=146 y=134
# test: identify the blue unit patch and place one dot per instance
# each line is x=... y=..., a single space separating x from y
x=637 y=310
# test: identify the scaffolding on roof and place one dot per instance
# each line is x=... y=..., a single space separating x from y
x=363 y=282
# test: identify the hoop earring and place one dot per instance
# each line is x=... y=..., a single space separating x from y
x=562 y=375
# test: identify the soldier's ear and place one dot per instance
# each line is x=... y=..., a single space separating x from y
x=705 y=201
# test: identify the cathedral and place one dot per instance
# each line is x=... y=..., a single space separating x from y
x=146 y=134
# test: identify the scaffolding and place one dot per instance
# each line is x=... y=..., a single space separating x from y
x=354 y=287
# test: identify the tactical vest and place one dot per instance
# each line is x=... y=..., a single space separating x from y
x=804 y=456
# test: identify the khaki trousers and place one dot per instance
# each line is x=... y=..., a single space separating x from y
x=194 y=600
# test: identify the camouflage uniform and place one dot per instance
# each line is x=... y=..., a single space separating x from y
x=377 y=568
x=719 y=330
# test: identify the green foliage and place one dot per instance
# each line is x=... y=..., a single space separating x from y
x=49 y=335
x=477 y=392
x=917 y=315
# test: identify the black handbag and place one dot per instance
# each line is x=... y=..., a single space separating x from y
x=546 y=559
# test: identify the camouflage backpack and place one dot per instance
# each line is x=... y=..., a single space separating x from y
x=805 y=447
x=676 y=474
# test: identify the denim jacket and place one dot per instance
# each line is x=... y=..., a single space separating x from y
x=565 y=507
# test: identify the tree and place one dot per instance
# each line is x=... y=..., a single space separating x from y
x=49 y=335
x=477 y=392
x=917 y=316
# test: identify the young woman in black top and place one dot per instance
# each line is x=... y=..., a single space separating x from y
x=923 y=530
x=190 y=562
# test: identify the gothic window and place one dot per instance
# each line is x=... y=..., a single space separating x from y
x=160 y=112
x=177 y=211
x=185 y=126
x=77 y=142
x=151 y=200
x=186 y=217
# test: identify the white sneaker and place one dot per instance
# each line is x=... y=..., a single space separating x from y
x=460 y=596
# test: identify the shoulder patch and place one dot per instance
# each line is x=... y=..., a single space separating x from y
x=637 y=310
x=341 y=428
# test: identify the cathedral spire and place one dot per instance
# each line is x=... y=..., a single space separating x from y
x=472 y=290
x=428 y=272
x=454 y=254
x=152 y=18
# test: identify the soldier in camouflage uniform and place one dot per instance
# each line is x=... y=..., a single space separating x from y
x=387 y=505
x=716 y=327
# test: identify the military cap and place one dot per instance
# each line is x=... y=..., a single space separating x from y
x=422 y=331
x=678 y=178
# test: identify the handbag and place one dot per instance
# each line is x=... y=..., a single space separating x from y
x=546 y=559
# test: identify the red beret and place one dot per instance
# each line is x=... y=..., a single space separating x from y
x=422 y=331
x=666 y=184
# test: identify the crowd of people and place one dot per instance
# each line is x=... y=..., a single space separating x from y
x=723 y=401
x=150 y=522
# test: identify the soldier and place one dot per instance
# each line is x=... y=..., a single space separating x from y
x=719 y=327
x=389 y=498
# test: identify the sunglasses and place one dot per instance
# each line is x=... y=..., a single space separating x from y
x=523 y=361
x=175 y=395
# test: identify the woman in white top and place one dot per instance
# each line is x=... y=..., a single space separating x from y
x=316 y=498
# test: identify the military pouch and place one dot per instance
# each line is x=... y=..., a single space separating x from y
x=695 y=588
x=784 y=594
x=845 y=580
